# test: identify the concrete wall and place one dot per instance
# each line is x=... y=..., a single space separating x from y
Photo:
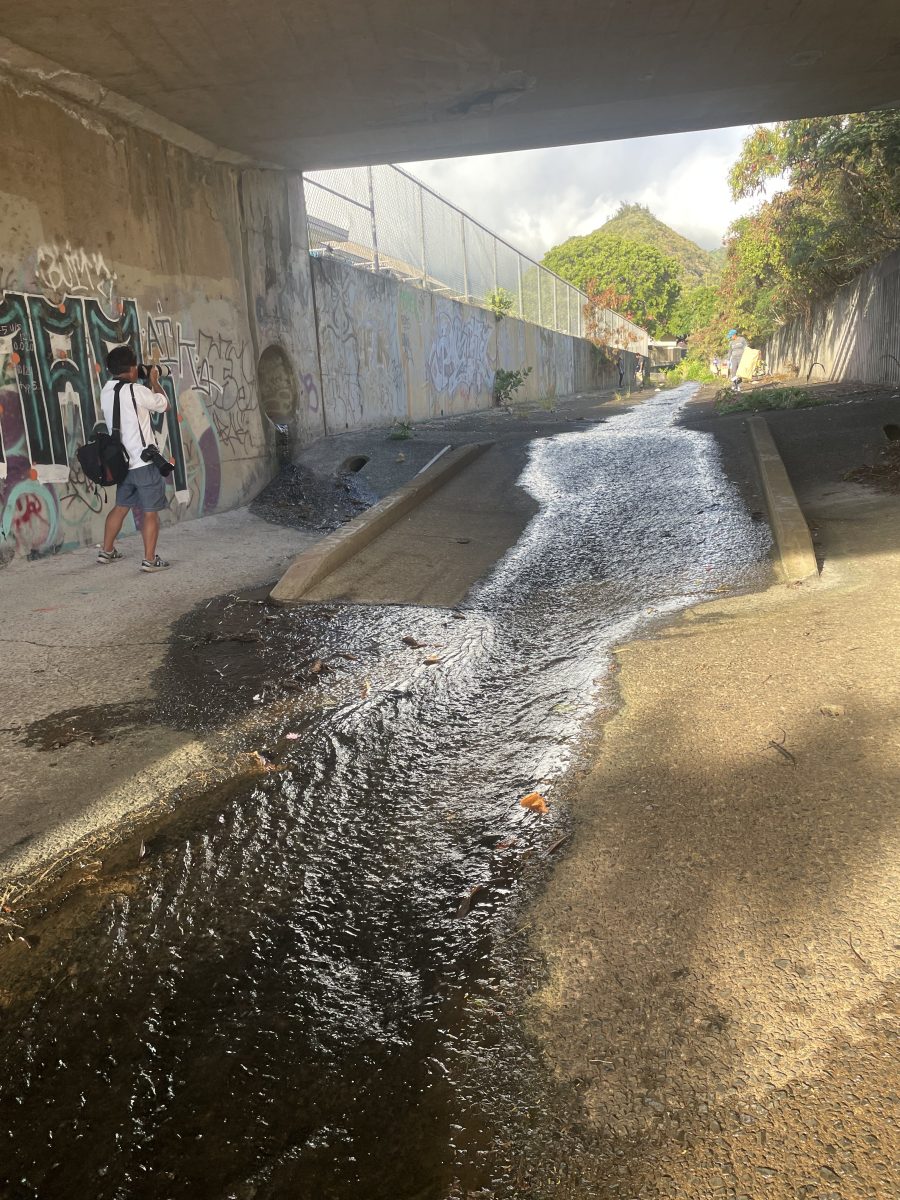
x=856 y=335
x=109 y=234
x=393 y=352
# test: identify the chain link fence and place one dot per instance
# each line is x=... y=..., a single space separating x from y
x=383 y=219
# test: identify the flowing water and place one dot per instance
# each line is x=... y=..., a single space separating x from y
x=303 y=989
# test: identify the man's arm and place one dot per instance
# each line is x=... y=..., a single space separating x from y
x=153 y=397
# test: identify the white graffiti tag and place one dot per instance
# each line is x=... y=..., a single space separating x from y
x=458 y=360
x=64 y=271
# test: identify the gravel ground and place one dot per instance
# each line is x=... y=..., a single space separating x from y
x=301 y=498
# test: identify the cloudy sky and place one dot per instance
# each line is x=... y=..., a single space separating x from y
x=537 y=198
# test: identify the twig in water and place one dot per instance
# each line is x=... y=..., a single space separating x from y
x=555 y=845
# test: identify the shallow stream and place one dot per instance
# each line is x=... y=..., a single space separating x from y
x=307 y=990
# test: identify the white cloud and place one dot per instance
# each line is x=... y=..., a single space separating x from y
x=537 y=198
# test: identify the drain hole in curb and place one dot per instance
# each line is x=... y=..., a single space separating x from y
x=355 y=463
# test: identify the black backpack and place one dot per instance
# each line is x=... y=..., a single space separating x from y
x=104 y=459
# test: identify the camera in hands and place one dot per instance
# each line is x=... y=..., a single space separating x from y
x=150 y=454
x=144 y=370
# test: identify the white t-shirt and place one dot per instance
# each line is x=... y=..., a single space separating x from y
x=147 y=402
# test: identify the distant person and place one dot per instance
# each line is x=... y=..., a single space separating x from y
x=737 y=344
x=620 y=364
x=143 y=487
x=716 y=365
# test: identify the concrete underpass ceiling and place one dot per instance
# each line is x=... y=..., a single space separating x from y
x=331 y=82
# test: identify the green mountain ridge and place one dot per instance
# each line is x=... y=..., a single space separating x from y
x=638 y=223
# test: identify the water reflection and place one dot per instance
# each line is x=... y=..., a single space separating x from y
x=280 y=1000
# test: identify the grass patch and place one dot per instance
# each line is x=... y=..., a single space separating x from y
x=689 y=370
x=763 y=398
x=401 y=431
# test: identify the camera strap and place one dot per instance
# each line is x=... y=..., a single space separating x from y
x=117 y=412
x=138 y=419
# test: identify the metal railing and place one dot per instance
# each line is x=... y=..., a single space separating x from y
x=383 y=219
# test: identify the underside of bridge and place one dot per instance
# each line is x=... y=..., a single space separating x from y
x=328 y=82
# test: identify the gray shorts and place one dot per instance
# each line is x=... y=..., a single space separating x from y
x=143 y=488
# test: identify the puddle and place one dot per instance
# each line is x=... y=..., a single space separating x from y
x=90 y=723
x=279 y=999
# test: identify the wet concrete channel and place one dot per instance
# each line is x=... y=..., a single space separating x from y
x=311 y=984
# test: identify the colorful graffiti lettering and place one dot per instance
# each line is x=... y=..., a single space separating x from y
x=55 y=354
x=29 y=518
x=52 y=355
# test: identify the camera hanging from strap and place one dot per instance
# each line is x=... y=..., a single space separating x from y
x=137 y=416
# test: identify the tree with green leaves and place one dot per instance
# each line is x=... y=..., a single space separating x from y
x=697 y=307
x=645 y=282
x=838 y=214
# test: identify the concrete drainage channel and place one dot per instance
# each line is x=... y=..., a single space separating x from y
x=317 y=563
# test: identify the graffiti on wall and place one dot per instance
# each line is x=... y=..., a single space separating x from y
x=53 y=349
x=218 y=367
x=63 y=271
x=458 y=360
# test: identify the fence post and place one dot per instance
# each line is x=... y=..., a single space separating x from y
x=568 y=309
x=540 y=296
x=519 y=278
x=495 y=264
x=462 y=229
x=555 y=306
x=375 y=263
x=422 y=236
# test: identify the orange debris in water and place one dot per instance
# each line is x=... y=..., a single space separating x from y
x=536 y=802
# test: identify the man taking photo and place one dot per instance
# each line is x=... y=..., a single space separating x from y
x=143 y=487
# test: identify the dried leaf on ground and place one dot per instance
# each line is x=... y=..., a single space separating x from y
x=432 y=660
x=260 y=763
x=365 y=688
x=414 y=643
x=535 y=802
x=832 y=710
x=555 y=845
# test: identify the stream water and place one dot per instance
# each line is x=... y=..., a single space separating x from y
x=305 y=990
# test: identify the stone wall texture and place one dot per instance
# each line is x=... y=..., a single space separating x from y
x=856 y=335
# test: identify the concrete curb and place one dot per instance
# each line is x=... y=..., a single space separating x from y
x=789 y=528
x=314 y=564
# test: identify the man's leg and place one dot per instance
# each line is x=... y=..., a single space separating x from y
x=114 y=522
x=150 y=533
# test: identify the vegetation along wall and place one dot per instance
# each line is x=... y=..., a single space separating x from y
x=852 y=336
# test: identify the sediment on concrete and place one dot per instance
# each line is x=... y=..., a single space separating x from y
x=315 y=564
x=789 y=529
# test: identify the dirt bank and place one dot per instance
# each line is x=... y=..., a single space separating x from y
x=723 y=938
